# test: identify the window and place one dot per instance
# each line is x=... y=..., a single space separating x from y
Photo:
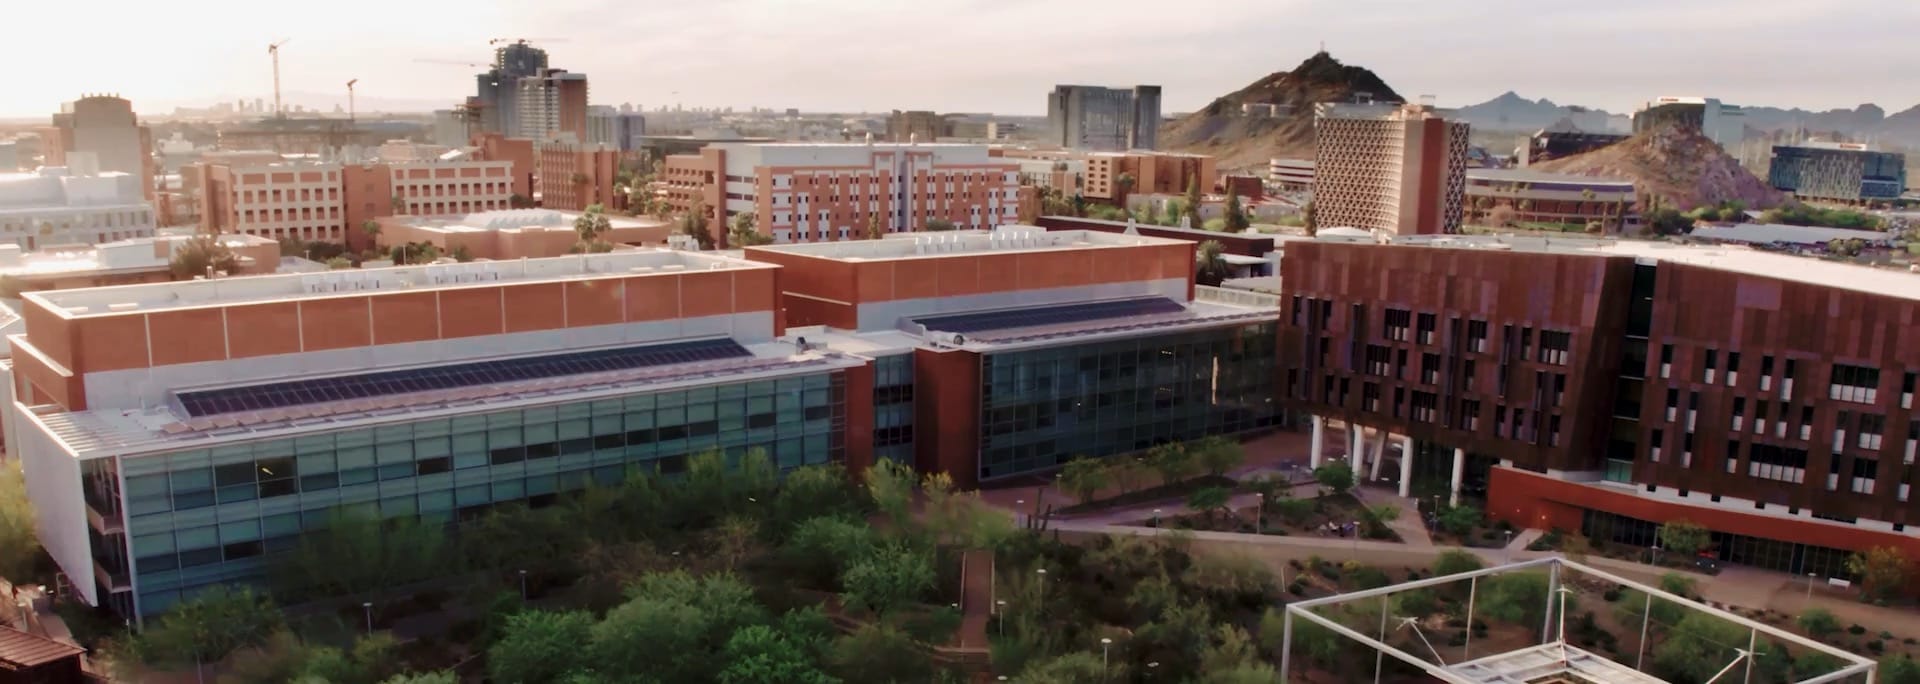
x=1477 y=336
x=1378 y=360
x=1871 y=427
x=1733 y=369
x=1707 y=368
x=1430 y=369
x=1770 y=462
x=1856 y=384
x=1427 y=323
x=1425 y=405
x=1470 y=415
x=1666 y=360
x=1397 y=322
x=1659 y=439
x=1865 y=470
x=1554 y=347
x=1467 y=371
x=1370 y=397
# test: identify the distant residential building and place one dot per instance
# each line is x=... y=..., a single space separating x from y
x=625 y=131
x=553 y=103
x=1538 y=196
x=1291 y=174
x=818 y=192
x=331 y=201
x=497 y=102
x=1401 y=169
x=56 y=206
x=574 y=176
x=1103 y=119
x=514 y=233
x=1720 y=122
x=105 y=128
x=922 y=126
x=1842 y=172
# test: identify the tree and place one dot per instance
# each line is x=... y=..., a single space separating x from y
x=1883 y=570
x=399 y=204
x=1900 y=669
x=761 y=654
x=1084 y=478
x=1129 y=474
x=1171 y=461
x=1293 y=511
x=1236 y=215
x=371 y=228
x=1697 y=647
x=1335 y=477
x=592 y=223
x=1217 y=455
x=873 y=227
x=1126 y=182
x=1454 y=562
x=202 y=256
x=19 y=544
x=1193 y=201
x=540 y=646
x=518 y=201
x=888 y=578
x=1459 y=520
x=436 y=677
x=1684 y=537
x=1207 y=500
x=1310 y=219
x=746 y=231
x=462 y=254
x=1173 y=213
x=694 y=224
x=359 y=553
x=1211 y=264
x=1819 y=622
x=1071 y=668
x=339 y=263
x=1374 y=520
x=880 y=654
x=217 y=622
x=938 y=225
x=890 y=484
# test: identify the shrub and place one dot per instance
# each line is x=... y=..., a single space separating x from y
x=1856 y=630
x=1876 y=646
x=1611 y=595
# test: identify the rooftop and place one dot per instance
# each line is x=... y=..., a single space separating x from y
x=137 y=254
x=1768 y=233
x=269 y=288
x=1736 y=258
x=1012 y=238
x=1533 y=176
x=1086 y=321
x=516 y=219
x=26 y=650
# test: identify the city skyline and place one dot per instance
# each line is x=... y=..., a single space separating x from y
x=820 y=56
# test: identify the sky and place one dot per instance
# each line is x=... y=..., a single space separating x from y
x=967 y=55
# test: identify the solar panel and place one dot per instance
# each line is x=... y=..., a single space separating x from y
x=1051 y=315
x=367 y=385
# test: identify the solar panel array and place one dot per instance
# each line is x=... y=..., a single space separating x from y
x=1051 y=315
x=349 y=387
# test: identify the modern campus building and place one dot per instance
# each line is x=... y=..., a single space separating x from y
x=1103 y=119
x=1722 y=123
x=102 y=128
x=176 y=435
x=68 y=206
x=1542 y=197
x=812 y=192
x=514 y=233
x=1101 y=174
x=1291 y=174
x=332 y=201
x=1398 y=169
x=1607 y=388
x=1008 y=353
x=123 y=262
x=1838 y=172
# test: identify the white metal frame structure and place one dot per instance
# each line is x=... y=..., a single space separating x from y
x=1553 y=659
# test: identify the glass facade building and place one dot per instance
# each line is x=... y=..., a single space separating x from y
x=1768 y=554
x=1043 y=407
x=893 y=409
x=200 y=517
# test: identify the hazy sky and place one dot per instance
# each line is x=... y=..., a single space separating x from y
x=970 y=55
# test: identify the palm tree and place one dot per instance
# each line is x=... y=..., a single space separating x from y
x=1309 y=217
x=873 y=227
x=1125 y=181
x=1211 y=264
x=592 y=224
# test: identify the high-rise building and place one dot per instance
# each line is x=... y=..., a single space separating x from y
x=498 y=89
x=1103 y=119
x=1842 y=172
x=1394 y=168
x=553 y=104
x=808 y=192
x=1722 y=123
x=622 y=130
x=105 y=128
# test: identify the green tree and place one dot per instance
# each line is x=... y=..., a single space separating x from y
x=358 y=553
x=436 y=677
x=1900 y=669
x=339 y=263
x=1516 y=598
x=1193 y=202
x=371 y=228
x=462 y=254
x=746 y=231
x=879 y=654
x=873 y=227
x=658 y=637
x=1217 y=454
x=1084 y=478
x=1211 y=267
x=1236 y=215
x=1172 y=461
x=1128 y=474
x=540 y=646
x=1309 y=219
x=1374 y=520
x=1454 y=562
x=1883 y=570
x=821 y=547
x=219 y=621
x=1335 y=477
x=1684 y=537
x=1459 y=520
x=694 y=224
x=938 y=225
x=1697 y=647
x=1207 y=500
x=813 y=491
x=761 y=654
x=1071 y=668
x=514 y=537
x=1126 y=182
x=1174 y=211
x=19 y=544
x=1819 y=622
x=203 y=256
x=592 y=223
x=890 y=484
x=888 y=578
x=1293 y=511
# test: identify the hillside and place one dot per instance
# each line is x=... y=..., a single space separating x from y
x=1239 y=141
x=1511 y=112
x=1680 y=166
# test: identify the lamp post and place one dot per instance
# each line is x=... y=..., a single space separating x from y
x=367 y=607
x=1105 y=644
x=1656 y=554
x=1509 y=547
x=1810 y=577
x=523 y=586
x=1152 y=667
x=1156 y=517
x=1260 y=521
x=1000 y=614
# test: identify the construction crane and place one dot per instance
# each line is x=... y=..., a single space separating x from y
x=497 y=41
x=350 y=109
x=274 y=50
x=453 y=62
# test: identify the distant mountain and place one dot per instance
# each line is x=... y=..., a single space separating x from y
x=1511 y=112
x=1903 y=126
x=1678 y=165
x=1239 y=140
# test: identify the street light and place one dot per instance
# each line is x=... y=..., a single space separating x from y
x=1810 y=577
x=1260 y=523
x=1156 y=517
x=1000 y=613
x=523 y=586
x=1105 y=643
x=1509 y=547
x=1152 y=667
x=1656 y=554
x=367 y=606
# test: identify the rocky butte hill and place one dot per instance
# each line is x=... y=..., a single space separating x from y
x=1678 y=165
x=1240 y=141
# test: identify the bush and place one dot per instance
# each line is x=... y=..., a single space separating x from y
x=1856 y=630
x=1876 y=646
x=1819 y=622
x=1611 y=595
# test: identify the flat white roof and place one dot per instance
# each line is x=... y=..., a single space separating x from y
x=1546 y=662
x=518 y=219
x=945 y=243
x=265 y=288
x=1773 y=232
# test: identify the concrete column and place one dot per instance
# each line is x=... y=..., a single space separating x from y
x=1459 y=472
x=1357 y=456
x=1318 y=440
x=1379 y=453
x=1406 y=466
